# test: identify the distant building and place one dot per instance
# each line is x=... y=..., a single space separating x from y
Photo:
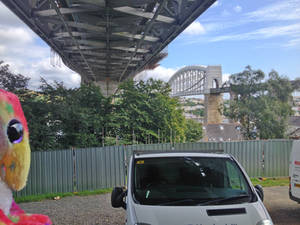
x=222 y=132
x=293 y=130
x=193 y=117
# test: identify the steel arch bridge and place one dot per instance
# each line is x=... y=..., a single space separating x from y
x=195 y=80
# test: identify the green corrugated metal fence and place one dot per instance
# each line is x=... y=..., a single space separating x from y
x=96 y=168
x=50 y=172
x=276 y=158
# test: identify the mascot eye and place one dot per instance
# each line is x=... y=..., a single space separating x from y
x=15 y=131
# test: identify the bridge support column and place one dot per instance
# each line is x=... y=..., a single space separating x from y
x=108 y=87
x=212 y=105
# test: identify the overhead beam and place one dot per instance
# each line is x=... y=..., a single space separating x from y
x=121 y=34
x=100 y=3
x=74 y=34
x=86 y=26
x=57 y=10
x=136 y=36
x=141 y=13
x=121 y=56
x=81 y=47
x=52 y=12
x=140 y=50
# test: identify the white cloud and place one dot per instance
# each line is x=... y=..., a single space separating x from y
x=15 y=35
x=238 y=9
x=225 y=77
x=195 y=28
x=281 y=10
x=263 y=33
x=51 y=73
x=293 y=43
x=26 y=54
x=159 y=73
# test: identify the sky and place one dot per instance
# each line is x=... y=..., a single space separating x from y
x=263 y=34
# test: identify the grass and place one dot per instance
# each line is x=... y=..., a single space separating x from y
x=270 y=182
x=37 y=198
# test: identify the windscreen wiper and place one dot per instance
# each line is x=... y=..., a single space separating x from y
x=226 y=200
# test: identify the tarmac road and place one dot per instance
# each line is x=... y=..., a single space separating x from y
x=282 y=210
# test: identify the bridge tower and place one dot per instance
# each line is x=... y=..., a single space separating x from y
x=213 y=101
x=199 y=80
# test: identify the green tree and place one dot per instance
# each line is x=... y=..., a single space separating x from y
x=78 y=115
x=261 y=106
x=144 y=112
x=193 y=132
x=10 y=81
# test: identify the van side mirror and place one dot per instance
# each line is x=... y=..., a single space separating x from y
x=117 y=198
x=260 y=191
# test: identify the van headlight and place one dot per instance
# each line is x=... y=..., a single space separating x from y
x=265 y=222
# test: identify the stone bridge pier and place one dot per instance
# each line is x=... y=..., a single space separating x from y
x=200 y=80
x=213 y=101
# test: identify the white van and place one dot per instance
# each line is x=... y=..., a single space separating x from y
x=180 y=188
x=294 y=173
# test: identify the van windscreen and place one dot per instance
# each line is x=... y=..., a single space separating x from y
x=189 y=181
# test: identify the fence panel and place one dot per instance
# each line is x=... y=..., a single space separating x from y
x=276 y=157
x=95 y=168
x=198 y=146
x=249 y=155
x=50 y=172
x=98 y=168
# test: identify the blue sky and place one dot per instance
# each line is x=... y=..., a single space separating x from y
x=262 y=33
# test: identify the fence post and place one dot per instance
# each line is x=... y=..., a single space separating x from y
x=124 y=165
x=262 y=161
x=74 y=188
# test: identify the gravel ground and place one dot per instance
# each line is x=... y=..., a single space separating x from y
x=85 y=210
x=282 y=210
x=96 y=209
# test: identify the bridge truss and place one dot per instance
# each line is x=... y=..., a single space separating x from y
x=108 y=39
x=188 y=81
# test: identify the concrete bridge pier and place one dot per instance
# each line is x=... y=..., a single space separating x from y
x=108 y=87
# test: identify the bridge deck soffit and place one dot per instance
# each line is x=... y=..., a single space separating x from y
x=108 y=39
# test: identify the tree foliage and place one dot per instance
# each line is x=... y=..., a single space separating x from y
x=262 y=106
x=65 y=118
x=148 y=114
x=61 y=118
x=194 y=131
x=10 y=81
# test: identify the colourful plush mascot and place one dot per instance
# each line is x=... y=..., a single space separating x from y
x=14 y=162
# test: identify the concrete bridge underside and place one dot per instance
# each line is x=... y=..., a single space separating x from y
x=107 y=41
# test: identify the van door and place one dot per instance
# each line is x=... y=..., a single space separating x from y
x=295 y=169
